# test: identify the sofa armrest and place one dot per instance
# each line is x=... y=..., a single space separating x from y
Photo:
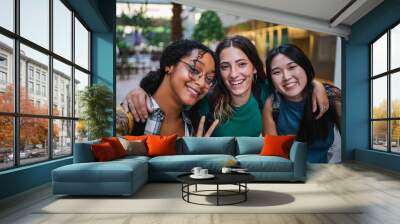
x=83 y=152
x=298 y=155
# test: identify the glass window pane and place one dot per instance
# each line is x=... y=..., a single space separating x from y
x=379 y=98
x=81 y=45
x=6 y=74
x=7 y=14
x=6 y=142
x=395 y=95
x=62 y=89
x=81 y=131
x=395 y=136
x=34 y=72
x=35 y=21
x=379 y=135
x=395 y=47
x=62 y=29
x=379 y=55
x=81 y=81
x=33 y=140
x=62 y=138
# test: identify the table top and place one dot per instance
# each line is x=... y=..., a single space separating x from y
x=220 y=178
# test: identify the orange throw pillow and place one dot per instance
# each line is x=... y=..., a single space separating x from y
x=116 y=145
x=161 y=145
x=103 y=151
x=277 y=145
x=134 y=138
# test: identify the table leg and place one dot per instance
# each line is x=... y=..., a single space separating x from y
x=188 y=190
x=182 y=190
x=245 y=191
x=217 y=194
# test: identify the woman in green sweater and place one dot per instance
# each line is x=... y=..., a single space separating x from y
x=241 y=91
x=238 y=98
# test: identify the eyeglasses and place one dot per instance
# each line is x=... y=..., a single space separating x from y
x=196 y=74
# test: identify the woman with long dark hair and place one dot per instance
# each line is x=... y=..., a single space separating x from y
x=289 y=109
x=186 y=73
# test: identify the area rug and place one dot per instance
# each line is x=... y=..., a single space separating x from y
x=167 y=198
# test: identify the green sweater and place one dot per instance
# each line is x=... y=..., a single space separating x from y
x=246 y=120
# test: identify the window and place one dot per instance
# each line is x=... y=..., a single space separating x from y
x=37 y=74
x=3 y=78
x=62 y=29
x=43 y=90
x=38 y=89
x=7 y=14
x=35 y=22
x=30 y=72
x=81 y=45
x=81 y=81
x=62 y=74
x=3 y=61
x=30 y=87
x=53 y=125
x=3 y=72
x=6 y=69
x=62 y=129
x=7 y=142
x=385 y=95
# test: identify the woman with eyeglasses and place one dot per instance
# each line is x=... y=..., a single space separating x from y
x=186 y=73
x=238 y=98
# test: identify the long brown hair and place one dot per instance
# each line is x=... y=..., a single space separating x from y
x=220 y=97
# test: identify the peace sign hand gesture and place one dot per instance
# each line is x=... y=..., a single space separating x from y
x=200 y=129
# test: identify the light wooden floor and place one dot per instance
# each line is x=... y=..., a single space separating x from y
x=378 y=188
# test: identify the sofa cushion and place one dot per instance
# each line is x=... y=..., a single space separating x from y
x=249 y=145
x=116 y=145
x=185 y=163
x=277 y=145
x=134 y=147
x=111 y=171
x=103 y=151
x=257 y=163
x=161 y=145
x=207 y=145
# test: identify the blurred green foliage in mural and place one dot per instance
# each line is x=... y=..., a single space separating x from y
x=209 y=28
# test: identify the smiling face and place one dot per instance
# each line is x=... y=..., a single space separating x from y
x=188 y=77
x=237 y=71
x=289 y=78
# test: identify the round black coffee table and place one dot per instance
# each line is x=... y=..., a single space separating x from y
x=238 y=179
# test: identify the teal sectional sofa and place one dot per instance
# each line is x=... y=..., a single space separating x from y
x=125 y=176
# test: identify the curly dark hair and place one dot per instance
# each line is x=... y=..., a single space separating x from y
x=171 y=55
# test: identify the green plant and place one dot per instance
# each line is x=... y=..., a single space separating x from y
x=96 y=102
x=209 y=28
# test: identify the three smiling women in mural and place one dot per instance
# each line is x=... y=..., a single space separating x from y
x=241 y=102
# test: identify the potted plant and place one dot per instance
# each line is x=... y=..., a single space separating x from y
x=96 y=102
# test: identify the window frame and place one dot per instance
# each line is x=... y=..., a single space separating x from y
x=16 y=114
x=388 y=74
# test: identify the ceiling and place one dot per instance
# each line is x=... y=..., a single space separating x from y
x=327 y=16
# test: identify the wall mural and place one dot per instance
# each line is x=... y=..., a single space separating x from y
x=193 y=72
